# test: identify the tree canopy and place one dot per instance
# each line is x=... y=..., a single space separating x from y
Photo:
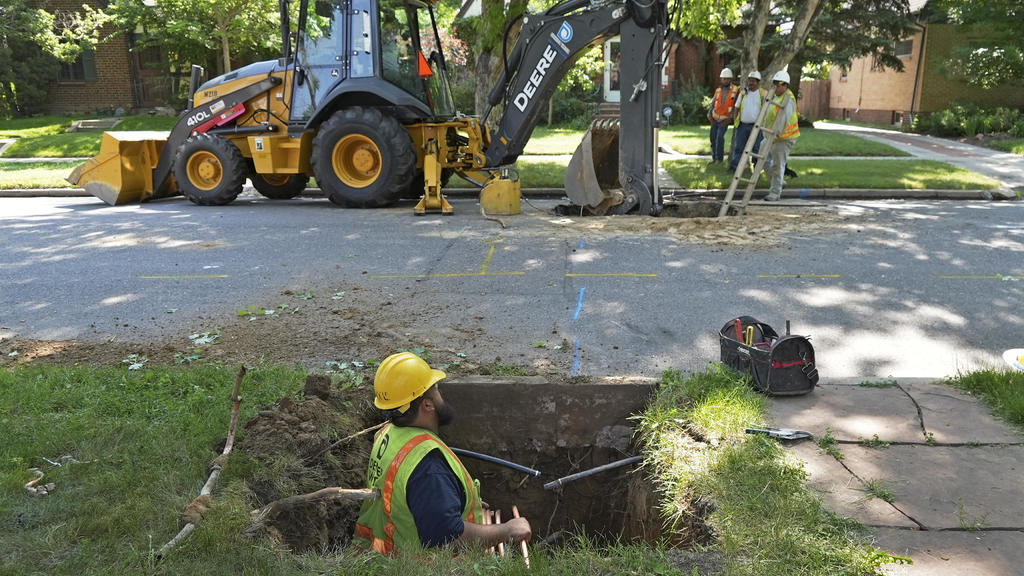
x=993 y=54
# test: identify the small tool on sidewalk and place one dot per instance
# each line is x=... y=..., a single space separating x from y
x=781 y=433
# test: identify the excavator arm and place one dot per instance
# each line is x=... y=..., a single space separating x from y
x=547 y=47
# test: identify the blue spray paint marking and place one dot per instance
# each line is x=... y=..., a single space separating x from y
x=576 y=361
x=579 y=305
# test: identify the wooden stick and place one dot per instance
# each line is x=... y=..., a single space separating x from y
x=217 y=466
x=487 y=522
x=501 y=545
x=343 y=440
x=269 y=513
x=522 y=543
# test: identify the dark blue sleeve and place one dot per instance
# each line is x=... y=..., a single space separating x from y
x=436 y=499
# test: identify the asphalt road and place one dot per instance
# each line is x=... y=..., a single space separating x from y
x=901 y=289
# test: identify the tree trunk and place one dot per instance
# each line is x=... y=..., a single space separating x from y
x=752 y=36
x=225 y=51
x=809 y=12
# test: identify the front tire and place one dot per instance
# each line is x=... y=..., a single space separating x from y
x=209 y=170
x=363 y=158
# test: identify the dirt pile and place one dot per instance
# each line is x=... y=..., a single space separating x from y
x=288 y=440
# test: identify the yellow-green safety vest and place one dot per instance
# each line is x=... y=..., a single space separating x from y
x=792 y=129
x=386 y=524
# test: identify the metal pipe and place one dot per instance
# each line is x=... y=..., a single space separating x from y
x=610 y=466
x=496 y=460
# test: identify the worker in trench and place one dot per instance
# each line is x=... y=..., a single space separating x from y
x=428 y=499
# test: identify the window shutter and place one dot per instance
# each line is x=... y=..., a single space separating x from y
x=89 y=65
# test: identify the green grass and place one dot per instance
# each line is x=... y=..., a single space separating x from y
x=35 y=174
x=35 y=126
x=45 y=137
x=812 y=142
x=144 y=439
x=548 y=141
x=854 y=173
x=1002 y=390
x=768 y=522
x=532 y=174
x=877 y=488
x=1014 y=145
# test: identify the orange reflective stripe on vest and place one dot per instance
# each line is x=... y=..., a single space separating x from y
x=389 y=489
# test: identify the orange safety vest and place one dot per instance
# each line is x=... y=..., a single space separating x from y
x=723 y=102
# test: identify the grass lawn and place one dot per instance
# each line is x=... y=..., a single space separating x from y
x=695 y=140
x=1014 y=145
x=35 y=174
x=44 y=137
x=1002 y=390
x=143 y=440
x=854 y=173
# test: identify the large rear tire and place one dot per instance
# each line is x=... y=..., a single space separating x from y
x=363 y=158
x=209 y=170
x=279 y=186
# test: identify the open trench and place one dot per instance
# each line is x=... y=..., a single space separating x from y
x=559 y=429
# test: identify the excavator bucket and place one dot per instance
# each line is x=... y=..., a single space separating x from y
x=122 y=173
x=592 y=177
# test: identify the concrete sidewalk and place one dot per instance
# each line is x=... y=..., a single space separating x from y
x=1005 y=167
x=948 y=467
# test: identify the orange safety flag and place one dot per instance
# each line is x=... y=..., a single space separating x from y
x=425 y=71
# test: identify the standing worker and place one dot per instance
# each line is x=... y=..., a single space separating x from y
x=782 y=119
x=748 y=106
x=720 y=114
x=428 y=499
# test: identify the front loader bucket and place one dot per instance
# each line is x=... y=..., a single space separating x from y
x=122 y=173
x=592 y=177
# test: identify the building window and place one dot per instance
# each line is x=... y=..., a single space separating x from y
x=81 y=70
x=904 y=49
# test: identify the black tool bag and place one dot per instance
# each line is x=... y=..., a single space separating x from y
x=781 y=366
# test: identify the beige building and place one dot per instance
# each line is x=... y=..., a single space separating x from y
x=866 y=93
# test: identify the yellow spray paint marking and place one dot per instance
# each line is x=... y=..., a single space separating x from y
x=485 y=270
x=184 y=277
x=799 y=276
x=609 y=275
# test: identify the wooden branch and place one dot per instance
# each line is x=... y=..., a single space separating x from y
x=215 y=468
x=342 y=441
x=269 y=513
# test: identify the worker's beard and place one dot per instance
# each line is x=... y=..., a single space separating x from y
x=445 y=414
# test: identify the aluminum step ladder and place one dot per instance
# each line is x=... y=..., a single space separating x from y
x=748 y=153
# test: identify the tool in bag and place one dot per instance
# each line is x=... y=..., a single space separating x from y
x=778 y=365
x=781 y=433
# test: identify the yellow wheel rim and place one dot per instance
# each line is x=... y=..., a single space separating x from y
x=205 y=170
x=275 y=179
x=357 y=160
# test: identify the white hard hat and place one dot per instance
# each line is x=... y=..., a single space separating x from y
x=781 y=76
x=755 y=75
x=726 y=73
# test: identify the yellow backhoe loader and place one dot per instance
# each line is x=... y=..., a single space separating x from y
x=361 y=101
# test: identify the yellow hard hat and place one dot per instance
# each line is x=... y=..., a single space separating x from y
x=402 y=378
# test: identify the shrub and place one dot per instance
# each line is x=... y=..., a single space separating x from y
x=922 y=123
x=974 y=124
x=946 y=123
x=1003 y=119
x=690 y=106
x=1018 y=128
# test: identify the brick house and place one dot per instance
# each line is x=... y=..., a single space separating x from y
x=867 y=93
x=114 y=75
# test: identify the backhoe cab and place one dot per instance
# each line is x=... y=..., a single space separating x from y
x=361 y=100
